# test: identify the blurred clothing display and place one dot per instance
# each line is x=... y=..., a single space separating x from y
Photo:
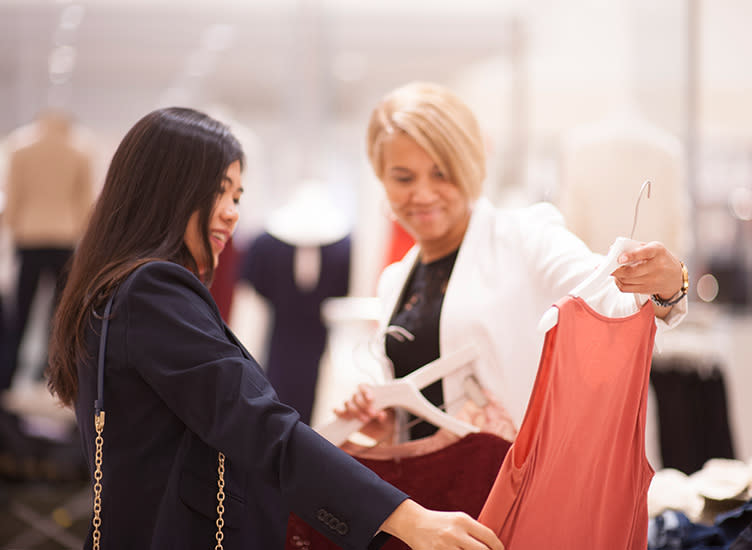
x=49 y=193
x=720 y=486
x=673 y=530
x=730 y=530
x=28 y=454
x=301 y=260
x=3 y=337
x=603 y=166
x=733 y=279
x=692 y=412
x=577 y=472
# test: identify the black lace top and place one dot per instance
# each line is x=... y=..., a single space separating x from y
x=418 y=312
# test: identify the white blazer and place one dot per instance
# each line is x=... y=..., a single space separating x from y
x=511 y=267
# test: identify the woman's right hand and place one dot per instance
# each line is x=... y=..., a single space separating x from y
x=378 y=424
x=423 y=529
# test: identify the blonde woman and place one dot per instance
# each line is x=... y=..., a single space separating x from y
x=479 y=274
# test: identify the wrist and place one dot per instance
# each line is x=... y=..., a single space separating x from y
x=400 y=520
x=675 y=298
x=397 y=519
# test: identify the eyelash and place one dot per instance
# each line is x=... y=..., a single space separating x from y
x=223 y=190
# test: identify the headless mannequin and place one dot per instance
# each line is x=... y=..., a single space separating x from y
x=603 y=166
x=49 y=193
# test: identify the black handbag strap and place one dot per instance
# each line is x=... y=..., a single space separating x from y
x=99 y=401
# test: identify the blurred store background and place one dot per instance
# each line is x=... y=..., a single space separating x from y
x=581 y=101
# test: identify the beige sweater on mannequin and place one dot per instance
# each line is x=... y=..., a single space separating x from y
x=49 y=187
x=603 y=167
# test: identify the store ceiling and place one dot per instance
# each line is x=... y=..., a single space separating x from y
x=110 y=61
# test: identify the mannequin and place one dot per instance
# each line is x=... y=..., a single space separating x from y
x=603 y=166
x=49 y=193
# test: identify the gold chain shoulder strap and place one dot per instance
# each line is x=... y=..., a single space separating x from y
x=97 y=521
x=99 y=442
x=220 y=501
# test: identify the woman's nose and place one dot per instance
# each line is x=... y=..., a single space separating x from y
x=423 y=190
x=230 y=211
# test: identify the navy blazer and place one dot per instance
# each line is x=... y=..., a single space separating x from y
x=178 y=387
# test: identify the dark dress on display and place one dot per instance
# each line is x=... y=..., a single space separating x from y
x=692 y=412
x=298 y=334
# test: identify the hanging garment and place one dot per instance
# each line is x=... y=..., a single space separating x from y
x=692 y=412
x=577 y=476
x=298 y=335
x=440 y=472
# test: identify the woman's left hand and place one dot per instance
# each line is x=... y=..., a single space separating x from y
x=649 y=269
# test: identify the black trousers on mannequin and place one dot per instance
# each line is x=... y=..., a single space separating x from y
x=34 y=262
x=3 y=337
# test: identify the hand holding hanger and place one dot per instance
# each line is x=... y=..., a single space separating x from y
x=405 y=393
x=594 y=282
x=651 y=269
x=637 y=268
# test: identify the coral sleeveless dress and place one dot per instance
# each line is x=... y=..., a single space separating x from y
x=577 y=476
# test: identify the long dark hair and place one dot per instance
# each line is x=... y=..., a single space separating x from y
x=168 y=166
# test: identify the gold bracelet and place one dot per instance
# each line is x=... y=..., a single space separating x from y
x=676 y=298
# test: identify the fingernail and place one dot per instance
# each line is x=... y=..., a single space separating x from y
x=623 y=259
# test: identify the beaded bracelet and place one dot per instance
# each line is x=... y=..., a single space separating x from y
x=679 y=296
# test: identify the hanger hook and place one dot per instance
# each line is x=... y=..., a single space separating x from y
x=637 y=206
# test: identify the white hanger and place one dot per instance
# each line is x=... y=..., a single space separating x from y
x=405 y=393
x=595 y=281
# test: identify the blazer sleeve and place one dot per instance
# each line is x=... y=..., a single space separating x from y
x=561 y=261
x=177 y=342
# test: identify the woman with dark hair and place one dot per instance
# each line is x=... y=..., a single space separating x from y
x=194 y=432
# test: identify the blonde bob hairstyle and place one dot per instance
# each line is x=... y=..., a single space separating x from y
x=438 y=121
